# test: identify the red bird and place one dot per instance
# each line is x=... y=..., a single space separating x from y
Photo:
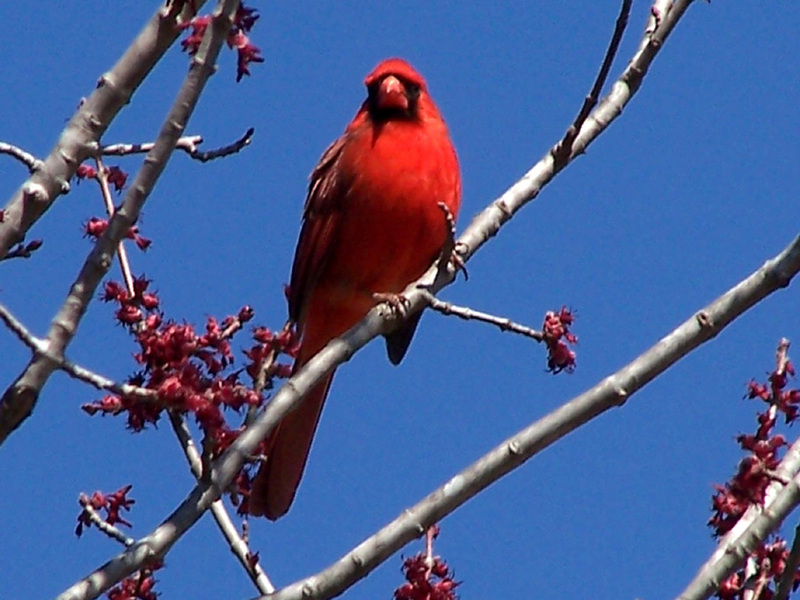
x=372 y=224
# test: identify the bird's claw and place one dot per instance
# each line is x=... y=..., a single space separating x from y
x=398 y=304
x=452 y=250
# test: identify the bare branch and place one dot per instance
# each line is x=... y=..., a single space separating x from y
x=225 y=150
x=468 y=314
x=562 y=150
x=79 y=139
x=188 y=144
x=23 y=250
x=773 y=275
x=29 y=160
x=40 y=347
x=237 y=544
x=734 y=549
x=122 y=253
x=18 y=401
x=113 y=532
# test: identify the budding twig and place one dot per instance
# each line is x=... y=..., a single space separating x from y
x=787 y=579
x=40 y=347
x=113 y=532
x=468 y=314
x=236 y=542
x=122 y=253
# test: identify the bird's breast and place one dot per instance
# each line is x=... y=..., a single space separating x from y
x=392 y=226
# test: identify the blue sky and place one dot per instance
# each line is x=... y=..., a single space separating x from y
x=687 y=193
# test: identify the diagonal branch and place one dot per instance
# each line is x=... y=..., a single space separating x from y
x=562 y=151
x=19 y=399
x=772 y=276
x=736 y=550
x=40 y=348
x=613 y=391
x=80 y=137
x=237 y=545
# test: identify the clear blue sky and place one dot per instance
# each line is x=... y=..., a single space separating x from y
x=692 y=189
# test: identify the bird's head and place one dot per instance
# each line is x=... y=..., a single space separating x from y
x=394 y=91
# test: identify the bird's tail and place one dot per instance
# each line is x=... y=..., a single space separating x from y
x=277 y=480
x=276 y=483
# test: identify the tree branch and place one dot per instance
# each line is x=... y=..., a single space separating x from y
x=733 y=550
x=19 y=399
x=113 y=532
x=561 y=152
x=78 y=141
x=468 y=314
x=188 y=144
x=26 y=158
x=40 y=348
x=237 y=544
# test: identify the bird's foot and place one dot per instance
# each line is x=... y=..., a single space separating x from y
x=398 y=304
x=452 y=251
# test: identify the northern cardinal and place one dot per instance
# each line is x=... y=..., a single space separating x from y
x=372 y=224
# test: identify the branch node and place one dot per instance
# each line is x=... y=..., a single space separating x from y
x=704 y=320
x=515 y=448
x=34 y=192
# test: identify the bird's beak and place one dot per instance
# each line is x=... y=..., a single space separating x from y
x=392 y=94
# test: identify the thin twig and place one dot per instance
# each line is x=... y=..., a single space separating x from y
x=188 y=144
x=773 y=275
x=40 y=347
x=224 y=150
x=122 y=253
x=786 y=582
x=237 y=544
x=468 y=314
x=563 y=149
x=26 y=158
x=103 y=525
x=79 y=140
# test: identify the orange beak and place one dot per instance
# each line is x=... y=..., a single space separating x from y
x=392 y=94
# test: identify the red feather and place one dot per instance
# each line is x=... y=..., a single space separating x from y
x=371 y=224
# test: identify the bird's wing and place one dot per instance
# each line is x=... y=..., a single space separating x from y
x=318 y=233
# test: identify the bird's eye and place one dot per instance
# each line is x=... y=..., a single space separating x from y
x=412 y=89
